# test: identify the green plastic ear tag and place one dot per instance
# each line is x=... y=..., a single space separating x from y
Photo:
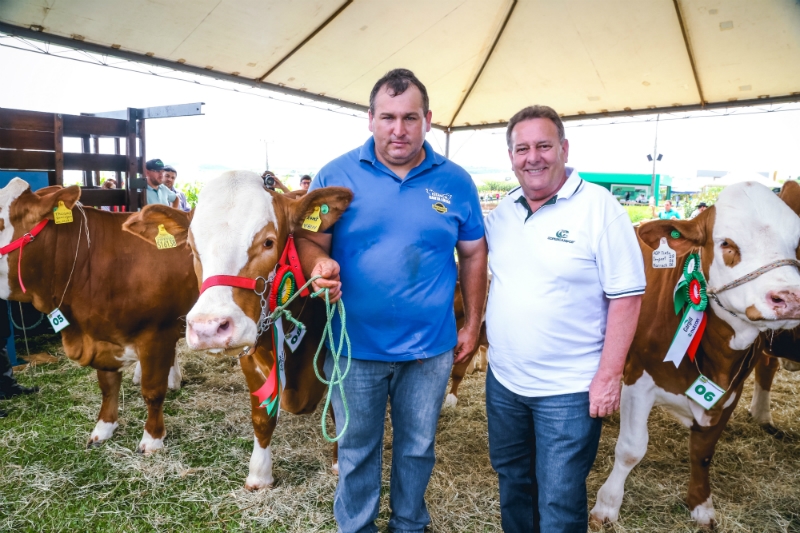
x=324 y=209
x=675 y=234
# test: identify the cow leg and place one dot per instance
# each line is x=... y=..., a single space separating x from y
x=766 y=367
x=702 y=443
x=137 y=374
x=335 y=464
x=790 y=366
x=156 y=359
x=109 y=382
x=175 y=375
x=456 y=376
x=260 y=475
x=635 y=406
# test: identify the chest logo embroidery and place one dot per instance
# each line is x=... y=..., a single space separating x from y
x=439 y=197
x=561 y=236
x=439 y=207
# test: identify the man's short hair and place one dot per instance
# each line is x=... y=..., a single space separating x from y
x=397 y=81
x=170 y=168
x=532 y=112
x=305 y=177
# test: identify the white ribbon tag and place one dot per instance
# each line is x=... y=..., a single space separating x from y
x=705 y=392
x=57 y=320
x=280 y=354
x=294 y=337
x=683 y=337
x=664 y=256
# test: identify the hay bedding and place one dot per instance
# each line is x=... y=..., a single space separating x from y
x=50 y=482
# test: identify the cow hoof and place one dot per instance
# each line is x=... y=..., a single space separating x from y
x=450 y=401
x=598 y=519
x=335 y=469
x=705 y=515
x=149 y=445
x=595 y=524
x=94 y=444
x=102 y=432
x=774 y=431
x=255 y=484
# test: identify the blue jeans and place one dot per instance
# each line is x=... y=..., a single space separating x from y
x=542 y=449
x=415 y=390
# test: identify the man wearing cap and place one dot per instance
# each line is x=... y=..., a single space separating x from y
x=702 y=206
x=567 y=280
x=157 y=192
x=170 y=175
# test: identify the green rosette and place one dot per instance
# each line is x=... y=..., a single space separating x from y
x=691 y=265
x=695 y=291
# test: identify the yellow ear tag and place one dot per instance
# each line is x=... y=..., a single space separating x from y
x=61 y=214
x=164 y=239
x=312 y=221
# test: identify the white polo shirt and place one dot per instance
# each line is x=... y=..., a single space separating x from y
x=553 y=273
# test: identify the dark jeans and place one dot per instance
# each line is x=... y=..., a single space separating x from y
x=542 y=449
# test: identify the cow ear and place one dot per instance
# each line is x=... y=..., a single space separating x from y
x=683 y=236
x=790 y=193
x=331 y=201
x=44 y=191
x=145 y=223
x=50 y=198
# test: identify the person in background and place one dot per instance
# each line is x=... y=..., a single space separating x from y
x=278 y=183
x=157 y=192
x=668 y=212
x=170 y=175
x=305 y=182
x=110 y=183
x=702 y=206
x=8 y=384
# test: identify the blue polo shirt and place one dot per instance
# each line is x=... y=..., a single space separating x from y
x=395 y=246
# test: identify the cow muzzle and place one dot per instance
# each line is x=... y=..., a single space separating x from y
x=784 y=303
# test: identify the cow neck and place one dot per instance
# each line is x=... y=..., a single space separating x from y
x=19 y=244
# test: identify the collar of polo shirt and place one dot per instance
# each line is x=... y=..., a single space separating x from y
x=566 y=191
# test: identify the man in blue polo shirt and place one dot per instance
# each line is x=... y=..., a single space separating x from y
x=391 y=252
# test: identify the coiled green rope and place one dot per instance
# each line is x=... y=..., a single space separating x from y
x=337 y=375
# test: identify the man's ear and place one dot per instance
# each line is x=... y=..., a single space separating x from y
x=335 y=198
x=145 y=223
x=691 y=234
x=48 y=201
x=790 y=193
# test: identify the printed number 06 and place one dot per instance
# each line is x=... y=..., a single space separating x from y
x=707 y=396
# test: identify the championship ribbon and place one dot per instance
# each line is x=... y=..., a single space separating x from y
x=284 y=287
x=689 y=293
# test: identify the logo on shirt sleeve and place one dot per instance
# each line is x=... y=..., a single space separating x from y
x=561 y=236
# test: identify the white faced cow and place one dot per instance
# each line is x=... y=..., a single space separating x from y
x=239 y=229
x=742 y=240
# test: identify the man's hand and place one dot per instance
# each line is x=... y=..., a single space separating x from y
x=604 y=394
x=329 y=270
x=467 y=344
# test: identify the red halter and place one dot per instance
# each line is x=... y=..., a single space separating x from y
x=289 y=261
x=20 y=243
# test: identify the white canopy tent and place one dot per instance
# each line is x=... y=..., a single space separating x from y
x=481 y=60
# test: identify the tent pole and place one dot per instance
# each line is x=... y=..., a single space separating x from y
x=447 y=143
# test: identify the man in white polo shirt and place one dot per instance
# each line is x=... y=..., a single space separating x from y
x=567 y=280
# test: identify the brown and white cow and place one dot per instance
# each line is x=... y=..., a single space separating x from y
x=749 y=227
x=122 y=298
x=239 y=228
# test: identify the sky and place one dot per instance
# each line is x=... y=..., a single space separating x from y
x=241 y=126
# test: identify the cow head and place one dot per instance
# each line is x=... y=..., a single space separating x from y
x=20 y=211
x=239 y=228
x=749 y=227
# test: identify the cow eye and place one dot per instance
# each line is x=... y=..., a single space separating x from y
x=269 y=243
x=724 y=244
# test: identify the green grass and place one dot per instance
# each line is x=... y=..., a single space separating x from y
x=50 y=481
x=637 y=213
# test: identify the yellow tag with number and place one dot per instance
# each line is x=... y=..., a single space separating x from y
x=61 y=214
x=164 y=239
x=313 y=221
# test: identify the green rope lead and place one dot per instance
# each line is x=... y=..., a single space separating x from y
x=337 y=376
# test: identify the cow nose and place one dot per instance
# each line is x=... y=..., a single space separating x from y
x=785 y=303
x=211 y=332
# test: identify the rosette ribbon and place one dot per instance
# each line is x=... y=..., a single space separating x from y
x=690 y=298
